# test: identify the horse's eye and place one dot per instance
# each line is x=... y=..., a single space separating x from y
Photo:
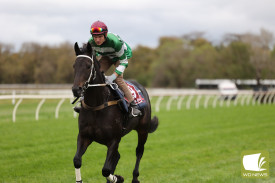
x=88 y=67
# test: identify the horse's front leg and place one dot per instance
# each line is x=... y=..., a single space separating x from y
x=111 y=162
x=82 y=144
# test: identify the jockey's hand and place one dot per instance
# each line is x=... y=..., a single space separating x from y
x=110 y=79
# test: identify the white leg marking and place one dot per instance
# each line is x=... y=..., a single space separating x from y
x=112 y=178
x=77 y=174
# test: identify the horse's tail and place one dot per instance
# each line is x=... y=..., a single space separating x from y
x=154 y=124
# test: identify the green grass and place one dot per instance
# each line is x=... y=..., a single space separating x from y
x=195 y=145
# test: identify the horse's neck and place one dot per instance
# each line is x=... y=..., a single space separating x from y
x=95 y=96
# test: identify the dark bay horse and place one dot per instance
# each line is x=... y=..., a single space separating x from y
x=100 y=118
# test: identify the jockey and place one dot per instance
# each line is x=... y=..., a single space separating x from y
x=113 y=51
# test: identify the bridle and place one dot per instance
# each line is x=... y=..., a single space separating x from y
x=93 y=72
x=86 y=85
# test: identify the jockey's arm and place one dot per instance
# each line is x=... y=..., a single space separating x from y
x=120 y=49
x=119 y=69
x=116 y=74
x=123 y=61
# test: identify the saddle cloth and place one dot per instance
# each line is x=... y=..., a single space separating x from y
x=136 y=93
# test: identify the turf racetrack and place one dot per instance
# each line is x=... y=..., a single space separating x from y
x=195 y=145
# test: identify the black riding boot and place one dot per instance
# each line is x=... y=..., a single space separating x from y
x=134 y=111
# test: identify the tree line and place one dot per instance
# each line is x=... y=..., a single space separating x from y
x=176 y=62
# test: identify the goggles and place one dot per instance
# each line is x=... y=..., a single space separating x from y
x=97 y=30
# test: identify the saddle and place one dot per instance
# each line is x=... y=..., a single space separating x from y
x=136 y=93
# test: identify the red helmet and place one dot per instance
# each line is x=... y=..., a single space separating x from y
x=99 y=27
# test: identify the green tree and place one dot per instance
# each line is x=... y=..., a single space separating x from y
x=260 y=56
x=171 y=64
x=65 y=60
x=140 y=66
x=234 y=61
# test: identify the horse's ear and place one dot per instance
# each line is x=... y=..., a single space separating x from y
x=89 y=47
x=76 y=49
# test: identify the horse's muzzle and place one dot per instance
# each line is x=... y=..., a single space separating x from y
x=77 y=91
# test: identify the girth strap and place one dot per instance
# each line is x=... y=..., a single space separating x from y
x=106 y=104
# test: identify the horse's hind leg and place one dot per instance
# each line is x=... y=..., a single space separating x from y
x=82 y=144
x=142 y=138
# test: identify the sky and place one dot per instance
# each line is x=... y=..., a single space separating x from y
x=138 y=22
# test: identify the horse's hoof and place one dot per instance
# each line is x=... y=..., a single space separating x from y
x=120 y=179
x=135 y=181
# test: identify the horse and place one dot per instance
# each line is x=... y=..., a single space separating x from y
x=101 y=118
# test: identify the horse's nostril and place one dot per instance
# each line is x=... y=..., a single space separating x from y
x=77 y=91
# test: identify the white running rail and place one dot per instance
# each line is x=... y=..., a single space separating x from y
x=163 y=99
x=43 y=98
